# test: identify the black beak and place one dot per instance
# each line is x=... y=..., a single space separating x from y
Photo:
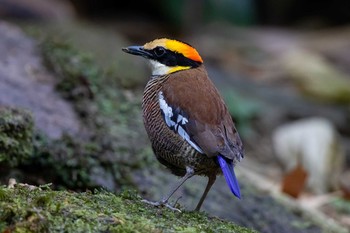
x=138 y=50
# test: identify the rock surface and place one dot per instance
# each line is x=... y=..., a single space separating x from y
x=26 y=83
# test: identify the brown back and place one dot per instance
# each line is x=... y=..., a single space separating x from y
x=210 y=125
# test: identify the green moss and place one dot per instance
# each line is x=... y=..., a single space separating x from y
x=41 y=210
x=113 y=141
x=16 y=129
x=112 y=113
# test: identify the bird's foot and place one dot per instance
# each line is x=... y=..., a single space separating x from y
x=161 y=203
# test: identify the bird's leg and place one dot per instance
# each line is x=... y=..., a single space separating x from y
x=189 y=174
x=211 y=181
x=164 y=201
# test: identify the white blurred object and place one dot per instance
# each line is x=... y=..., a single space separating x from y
x=315 y=145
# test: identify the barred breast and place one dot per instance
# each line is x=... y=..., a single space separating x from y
x=170 y=149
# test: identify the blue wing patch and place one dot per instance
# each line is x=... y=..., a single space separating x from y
x=176 y=120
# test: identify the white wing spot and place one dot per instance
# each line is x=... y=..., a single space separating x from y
x=179 y=118
x=176 y=126
x=185 y=136
x=167 y=110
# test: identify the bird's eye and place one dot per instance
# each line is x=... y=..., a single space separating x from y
x=159 y=51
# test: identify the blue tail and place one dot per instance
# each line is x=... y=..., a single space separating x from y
x=229 y=173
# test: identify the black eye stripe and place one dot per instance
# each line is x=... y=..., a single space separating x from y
x=170 y=58
x=159 y=51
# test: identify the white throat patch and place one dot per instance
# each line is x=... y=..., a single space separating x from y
x=159 y=68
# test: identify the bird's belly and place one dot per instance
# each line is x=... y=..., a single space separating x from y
x=176 y=154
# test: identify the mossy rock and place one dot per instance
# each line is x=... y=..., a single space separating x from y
x=32 y=209
x=16 y=130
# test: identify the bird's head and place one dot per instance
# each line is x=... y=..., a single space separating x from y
x=167 y=56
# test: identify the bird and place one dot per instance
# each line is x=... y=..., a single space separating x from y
x=187 y=121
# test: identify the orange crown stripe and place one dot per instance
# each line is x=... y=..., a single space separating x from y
x=175 y=46
x=184 y=49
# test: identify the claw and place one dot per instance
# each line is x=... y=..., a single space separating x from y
x=161 y=203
